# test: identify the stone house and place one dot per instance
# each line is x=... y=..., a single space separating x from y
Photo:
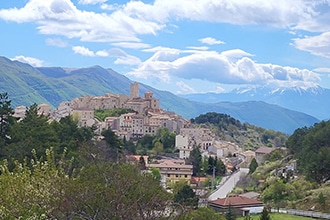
x=262 y=153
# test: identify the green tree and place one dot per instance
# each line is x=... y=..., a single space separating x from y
x=142 y=163
x=220 y=168
x=311 y=147
x=33 y=189
x=230 y=213
x=321 y=199
x=114 y=144
x=167 y=138
x=33 y=132
x=156 y=173
x=115 y=191
x=195 y=159
x=5 y=116
x=253 y=165
x=186 y=197
x=158 y=148
x=264 y=214
x=211 y=165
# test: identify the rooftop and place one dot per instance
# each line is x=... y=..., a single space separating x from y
x=236 y=201
x=265 y=150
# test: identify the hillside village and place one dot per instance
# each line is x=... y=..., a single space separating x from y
x=146 y=119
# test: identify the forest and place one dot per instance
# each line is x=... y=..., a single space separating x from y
x=311 y=146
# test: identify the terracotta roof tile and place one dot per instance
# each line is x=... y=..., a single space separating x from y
x=236 y=201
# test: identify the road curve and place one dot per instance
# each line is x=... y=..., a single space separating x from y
x=228 y=185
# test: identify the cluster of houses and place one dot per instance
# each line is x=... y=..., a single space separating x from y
x=147 y=118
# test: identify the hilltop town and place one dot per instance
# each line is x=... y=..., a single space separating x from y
x=146 y=119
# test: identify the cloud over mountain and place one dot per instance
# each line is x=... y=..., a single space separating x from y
x=228 y=67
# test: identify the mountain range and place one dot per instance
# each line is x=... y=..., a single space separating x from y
x=312 y=101
x=27 y=85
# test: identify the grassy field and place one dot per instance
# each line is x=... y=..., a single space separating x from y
x=279 y=216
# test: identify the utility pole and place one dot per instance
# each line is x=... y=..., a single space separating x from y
x=213 y=176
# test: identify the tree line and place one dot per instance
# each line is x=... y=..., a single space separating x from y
x=311 y=146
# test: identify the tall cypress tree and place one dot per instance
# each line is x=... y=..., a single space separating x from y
x=253 y=165
x=5 y=115
x=230 y=214
x=264 y=214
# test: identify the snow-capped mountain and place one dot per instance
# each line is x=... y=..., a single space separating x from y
x=314 y=101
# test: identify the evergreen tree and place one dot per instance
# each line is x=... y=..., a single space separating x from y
x=142 y=163
x=230 y=214
x=211 y=164
x=186 y=197
x=220 y=168
x=321 y=199
x=5 y=115
x=253 y=165
x=195 y=159
x=264 y=214
x=114 y=144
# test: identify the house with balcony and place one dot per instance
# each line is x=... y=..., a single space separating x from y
x=172 y=171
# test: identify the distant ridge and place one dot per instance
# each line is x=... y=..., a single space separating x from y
x=313 y=101
x=27 y=85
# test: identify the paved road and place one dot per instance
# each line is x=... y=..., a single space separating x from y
x=228 y=185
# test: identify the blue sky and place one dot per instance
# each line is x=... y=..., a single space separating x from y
x=182 y=46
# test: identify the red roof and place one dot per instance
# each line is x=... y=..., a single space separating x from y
x=236 y=201
x=198 y=179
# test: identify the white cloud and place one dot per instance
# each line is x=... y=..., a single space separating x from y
x=126 y=22
x=322 y=70
x=131 y=45
x=61 y=17
x=128 y=60
x=318 y=45
x=83 y=51
x=184 y=88
x=102 y=53
x=235 y=53
x=120 y=55
x=221 y=68
x=280 y=13
x=29 y=60
x=210 y=41
x=219 y=89
x=91 y=2
x=198 y=48
x=110 y=7
x=56 y=42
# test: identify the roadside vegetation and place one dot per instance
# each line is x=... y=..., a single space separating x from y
x=277 y=216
